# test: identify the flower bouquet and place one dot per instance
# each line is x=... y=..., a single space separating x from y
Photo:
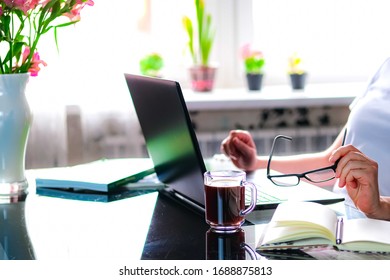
x=23 y=22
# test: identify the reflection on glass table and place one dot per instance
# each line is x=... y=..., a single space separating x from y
x=228 y=246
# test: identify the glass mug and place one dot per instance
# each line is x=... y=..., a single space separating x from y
x=225 y=199
x=228 y=246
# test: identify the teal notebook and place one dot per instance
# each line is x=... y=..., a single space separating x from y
x=87 y=195
x=103 y=175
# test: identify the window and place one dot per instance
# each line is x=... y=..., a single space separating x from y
x=109 y=40
x=340 y=41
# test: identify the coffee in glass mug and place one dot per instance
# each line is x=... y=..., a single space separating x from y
x=225 y=199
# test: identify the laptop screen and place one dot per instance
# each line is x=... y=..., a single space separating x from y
x=170 y=140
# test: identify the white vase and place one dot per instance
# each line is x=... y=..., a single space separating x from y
x=15 y=123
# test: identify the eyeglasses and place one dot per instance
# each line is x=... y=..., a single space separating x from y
x=315 y=176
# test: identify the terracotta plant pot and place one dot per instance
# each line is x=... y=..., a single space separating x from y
x=202 y=78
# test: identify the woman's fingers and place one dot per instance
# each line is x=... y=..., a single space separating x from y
x=348 y=165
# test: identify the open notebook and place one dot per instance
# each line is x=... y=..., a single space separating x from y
x=172 y=145
x=306 y=224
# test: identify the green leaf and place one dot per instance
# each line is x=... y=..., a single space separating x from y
x=205 y=34
x=207 y=41
x=7 y=21
x=187 y=23
x=17 y=50
x=199 y=5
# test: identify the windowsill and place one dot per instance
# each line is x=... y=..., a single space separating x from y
x=337 y=94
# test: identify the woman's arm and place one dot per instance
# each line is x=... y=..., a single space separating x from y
x=303 y=162
x=241 y=149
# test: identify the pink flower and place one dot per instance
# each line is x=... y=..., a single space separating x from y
x=248 y=52
x=44 y=2
x=35 y=62
x=23 y=5
x=245 y=51
x=74 y=14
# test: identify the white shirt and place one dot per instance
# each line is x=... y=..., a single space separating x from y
x=369 y=125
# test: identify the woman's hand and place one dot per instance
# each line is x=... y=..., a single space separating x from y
x=241 y=149
x=359 y=175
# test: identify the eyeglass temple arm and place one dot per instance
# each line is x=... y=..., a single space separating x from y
x=345 y=136
x=289 y=138
x=272 y=150
x=342 y=144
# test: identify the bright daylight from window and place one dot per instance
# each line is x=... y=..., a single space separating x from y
x=338 y=41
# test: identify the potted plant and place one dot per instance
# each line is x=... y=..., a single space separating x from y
x=151 y=65
x=296 y=72
x=200 y=42
x=254 y=63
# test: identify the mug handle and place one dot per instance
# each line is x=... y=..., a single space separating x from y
x=253 y=197
x=252 y=254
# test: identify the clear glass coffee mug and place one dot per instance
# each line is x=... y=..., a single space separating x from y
x=225 y=199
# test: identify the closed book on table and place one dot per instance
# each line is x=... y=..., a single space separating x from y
x=102 y=176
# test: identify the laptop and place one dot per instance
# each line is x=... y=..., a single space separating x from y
x=173 y=147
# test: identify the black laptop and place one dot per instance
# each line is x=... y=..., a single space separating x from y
x=173 y=147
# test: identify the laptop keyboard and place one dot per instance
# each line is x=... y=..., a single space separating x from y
x=263 y=197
